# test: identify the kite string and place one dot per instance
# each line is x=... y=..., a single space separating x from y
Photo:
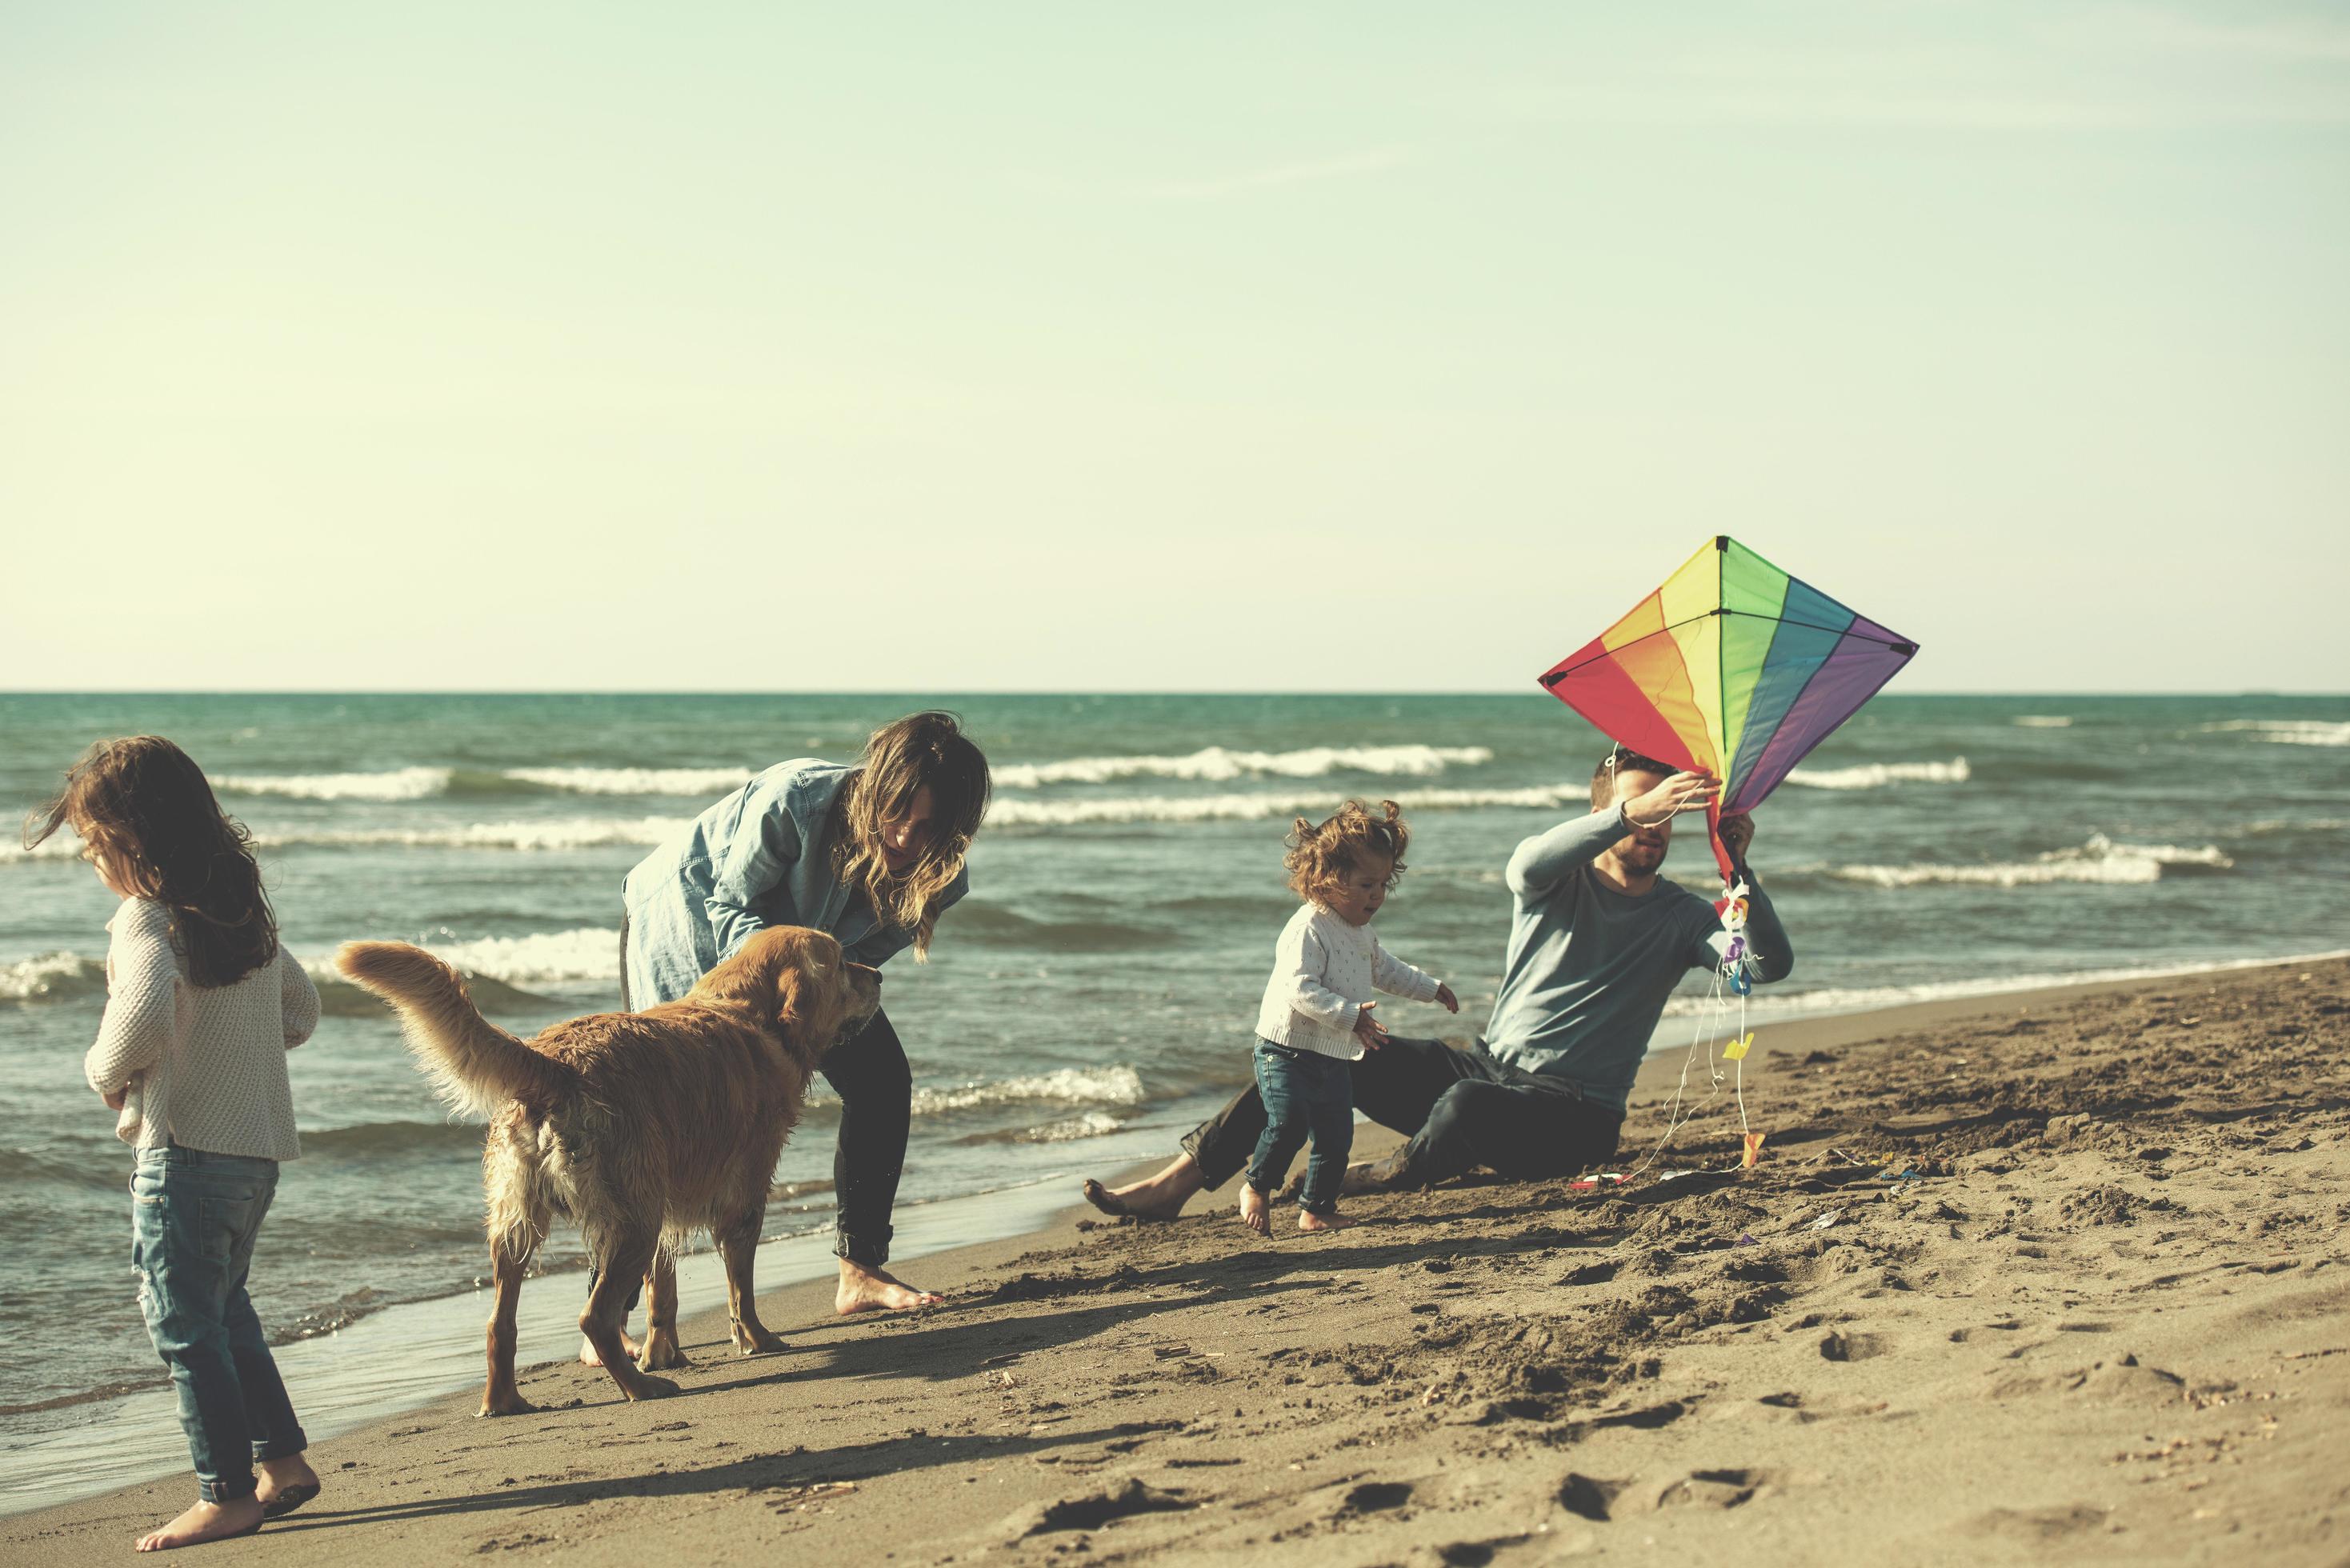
x=1676 y=1116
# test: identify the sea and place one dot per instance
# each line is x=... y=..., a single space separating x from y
x=1091 y=998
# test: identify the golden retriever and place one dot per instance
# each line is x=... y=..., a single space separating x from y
x=641 y=1127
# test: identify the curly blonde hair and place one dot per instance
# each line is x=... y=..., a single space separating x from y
x=1321 y=856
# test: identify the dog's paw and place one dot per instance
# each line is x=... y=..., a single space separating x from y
x=661 y=1352
x=761 y=1343
x=651 y=1389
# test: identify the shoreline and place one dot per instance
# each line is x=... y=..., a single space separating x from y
x=400 y=1382
x=801 y=1308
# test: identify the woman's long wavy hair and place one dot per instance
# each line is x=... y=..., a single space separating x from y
x=920 y=750
x=144 y=805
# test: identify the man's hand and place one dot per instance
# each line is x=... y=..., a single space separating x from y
x=1445 y=999
x=1736 y=833
x=1681 y=792
x=1367 y=1029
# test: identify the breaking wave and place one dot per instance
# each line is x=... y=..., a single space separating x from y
x=2044 y=721
x=1117 y=1086
x=2099 y=860
x=422 y=784
x=1216 y=764
x=1260 y=806
x=2287 y=732
x=1876 y=775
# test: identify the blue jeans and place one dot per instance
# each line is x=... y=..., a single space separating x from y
x=194 y=1219
x=1305 y=1095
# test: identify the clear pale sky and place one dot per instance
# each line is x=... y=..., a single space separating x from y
x=1104 y=346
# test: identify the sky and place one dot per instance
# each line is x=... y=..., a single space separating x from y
x=1104 y=346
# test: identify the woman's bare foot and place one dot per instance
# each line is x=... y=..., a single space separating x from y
x=871 y=1290
x=1332 y=1221
x=205 y=1521
x=587 y=1356
x=285 y=1484
x=1158 y=1197
x=1255 y=1211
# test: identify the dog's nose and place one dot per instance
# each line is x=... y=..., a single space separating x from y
x=868 y=970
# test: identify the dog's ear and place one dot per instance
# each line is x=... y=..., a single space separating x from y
x=807 y=991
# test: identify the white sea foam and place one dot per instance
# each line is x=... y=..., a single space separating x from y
x=2044 y=721
x=633 y=781
x=2099 y=860
x=1216 y=764
x=1876 y=775
x=1112 y=1085
x=51 y=976
x=1093 y=1123
x=543 y=957
x=554 y=833
x=1258 y=807
x=1779 y=1003
x=402 y=784
x=2288 y=732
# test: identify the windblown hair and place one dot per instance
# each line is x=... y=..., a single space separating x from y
x=144 y=805
x=1621 y=760
x=926 y=749
x=1322 y=856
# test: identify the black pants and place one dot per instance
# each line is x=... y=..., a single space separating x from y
x=876 y=1086
x=1462 y=1108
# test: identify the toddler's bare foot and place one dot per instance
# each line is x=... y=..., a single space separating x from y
x=1307 y=1220
x=205 y=1521
x=1255 y=1212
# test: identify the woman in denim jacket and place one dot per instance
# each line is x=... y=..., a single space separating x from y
x=872 y=854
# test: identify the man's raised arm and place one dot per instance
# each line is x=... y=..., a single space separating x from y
x=1542 y=862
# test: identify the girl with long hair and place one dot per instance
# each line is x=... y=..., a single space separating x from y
x=202 y=1005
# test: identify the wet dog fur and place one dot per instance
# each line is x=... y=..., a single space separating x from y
x=641 y=1127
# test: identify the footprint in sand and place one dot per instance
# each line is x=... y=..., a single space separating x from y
x=1714 y=1489
x=1836 y=1346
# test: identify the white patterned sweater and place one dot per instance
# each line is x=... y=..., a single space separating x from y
x=201 y=1067
x=1323 y=969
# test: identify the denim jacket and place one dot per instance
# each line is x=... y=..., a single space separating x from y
x=757 y=858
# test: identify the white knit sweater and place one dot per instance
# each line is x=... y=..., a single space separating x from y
x=1323 y=969
x=201 y=1067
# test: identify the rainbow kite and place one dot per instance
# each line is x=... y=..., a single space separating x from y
x=1733 y=666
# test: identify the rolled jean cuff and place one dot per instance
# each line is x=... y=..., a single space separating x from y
x=284 y=1447
x=864 y=1250
x=228 y=1488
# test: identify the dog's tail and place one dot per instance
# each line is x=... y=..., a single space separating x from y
x=474 y=1064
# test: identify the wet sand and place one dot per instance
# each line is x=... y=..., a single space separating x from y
x=2049 y=1278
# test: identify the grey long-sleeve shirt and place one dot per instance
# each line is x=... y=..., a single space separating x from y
x=1589 y=968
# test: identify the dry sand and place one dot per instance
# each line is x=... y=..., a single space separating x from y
x=2106 y=1318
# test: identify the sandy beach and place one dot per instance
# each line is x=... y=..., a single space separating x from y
x=2045 y=1278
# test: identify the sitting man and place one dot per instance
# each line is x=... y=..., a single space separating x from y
x=1596 y=945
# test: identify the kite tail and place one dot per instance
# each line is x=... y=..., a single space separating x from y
x=1713 y=836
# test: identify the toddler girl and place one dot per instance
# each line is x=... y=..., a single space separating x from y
x=201 y=1006
x=1316 y=1015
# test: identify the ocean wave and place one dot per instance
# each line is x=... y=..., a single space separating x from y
x=992 y=924
x=1259 y=807
x=2042 y=722
x=633 y=781
x=1216 y=764
x=368 y=1139
x=1777 y=1000
x=543 y=957
x=553 y=835
x=2100 y=860
x=1876 y=775
x=52 y=977
x=424 y=783
x=1069 y=1129
x=2287 y=732
x=1115 y=1086
x=400 y=783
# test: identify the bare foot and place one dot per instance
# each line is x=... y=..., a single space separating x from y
x=871 y=1290
x=1332 y=1222
x=660 y=1351
x=285 y=1485
x=1158 y=1197
x=1255 y=1212
x=587 y=1356
x=205 y=1521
